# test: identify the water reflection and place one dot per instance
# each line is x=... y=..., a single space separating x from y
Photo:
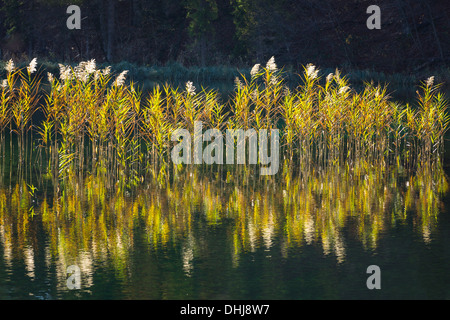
x=90 y=225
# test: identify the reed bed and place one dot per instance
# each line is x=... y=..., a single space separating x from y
x=95 y=122
x=88 y=218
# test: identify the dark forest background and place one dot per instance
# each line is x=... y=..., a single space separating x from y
x=329 y=33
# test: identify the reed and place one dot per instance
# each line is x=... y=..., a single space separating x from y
x=156 y=130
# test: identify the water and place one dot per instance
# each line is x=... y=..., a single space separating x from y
x=207 y=238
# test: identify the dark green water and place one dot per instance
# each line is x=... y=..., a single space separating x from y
x=242 y=239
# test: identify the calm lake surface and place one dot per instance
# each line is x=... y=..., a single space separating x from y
x=308 y=237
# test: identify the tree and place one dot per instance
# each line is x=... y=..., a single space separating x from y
x=201 y=14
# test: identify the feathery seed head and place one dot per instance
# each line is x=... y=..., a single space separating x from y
x=32 y=66
x=50 y=77
x=120 y=80
x=106 y=71
x=329 y=77
x=9 y=66
x=90 y=66
x=4 y=83
x=255 y=70
x=65 y=73
x=81 y=71
x=311 y=71
x=430 y=81
x=271 y=65
x=238 y=82
x=190 y=89
x=344 y=89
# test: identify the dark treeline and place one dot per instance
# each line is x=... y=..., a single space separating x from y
x=414 y=34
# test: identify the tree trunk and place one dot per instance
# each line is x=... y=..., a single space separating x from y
x=110 y=30
x=136 y=17
x=438 y=42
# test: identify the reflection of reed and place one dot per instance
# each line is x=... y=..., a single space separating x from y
x=88 y=222
x=93 y=122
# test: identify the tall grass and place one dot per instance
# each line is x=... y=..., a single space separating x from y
x=90 y=217
x=99 y=123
